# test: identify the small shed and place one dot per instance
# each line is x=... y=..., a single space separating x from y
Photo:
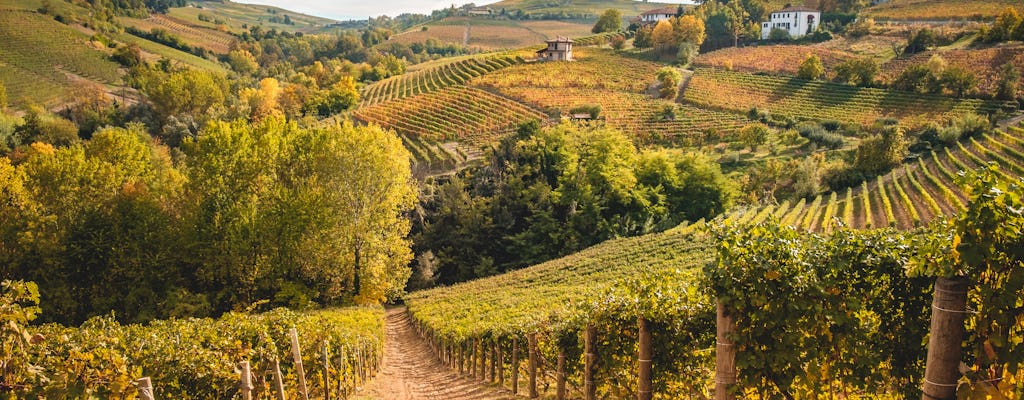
x=559 y=49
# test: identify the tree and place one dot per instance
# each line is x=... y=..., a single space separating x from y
x=670 y=78
x=342 y=96
x=920 y=40
x=687 y=53
x=663 y=36
x=1009 y=82
x=192 y=94
x=880 y=153
x=861 y=27
x=242 y=62
x=811 y=68
x=262 y=102
x=609 y=21
x=45 y=127
x=128 y=55
x=859 y=71
x=754 y=135
x=689 y=29
x=644 y=37
x=617 y=42
x=1007 y=26
x=959 y=81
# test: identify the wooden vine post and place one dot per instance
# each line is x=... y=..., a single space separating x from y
x=589 y=363
x=325 y=359
x=532 y=348
x=297 y=358
x=494 y=360
x=515 y=365
x=462 y=356
x=644 y=377
x=278 y=381
x=560 y=378
x=482 y=358
x=245 y=385
x=145 y=386
x=949 y=309
x=725 y=354
x=501 y=362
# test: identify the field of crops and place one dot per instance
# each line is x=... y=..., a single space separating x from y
x=934 y=10
x=193 y=34
x=908 y=197
x=458 y=112
x=199 y=358
x=592 y=69
x=235 y=15
x=38 y=53
x=778 y=59
x=153 y=51
x=986 y=64
x=801 y=99
x=441 y=75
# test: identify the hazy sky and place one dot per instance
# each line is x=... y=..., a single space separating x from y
x=353 y=9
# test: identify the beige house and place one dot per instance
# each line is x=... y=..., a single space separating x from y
x=559 y=49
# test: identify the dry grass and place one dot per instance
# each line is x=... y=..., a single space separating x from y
x=935 y=10
x=984 y=63
x=781 y=59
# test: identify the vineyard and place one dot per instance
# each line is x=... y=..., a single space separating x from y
x=458 y=112
x=986 y=64
x=813 y=100
x=441 y=76
x=200 y=358
x=236 y=15
x=38 y=53
x=780 y=59
x=212 y=39
x=935 y=10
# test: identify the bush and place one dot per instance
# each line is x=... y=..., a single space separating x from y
x=687 y=53
x=811 y=68
x=859 y=71
x=818 y=135
x=862 y=27
x=594 y=110
x=670 y=79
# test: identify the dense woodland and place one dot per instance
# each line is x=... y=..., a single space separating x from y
x=671 y=167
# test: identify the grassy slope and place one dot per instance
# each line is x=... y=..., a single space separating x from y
x=235 y=15
x=941 y=9
x=490 y=34
x=593 y=7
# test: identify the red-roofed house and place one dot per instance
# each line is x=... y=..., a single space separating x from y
x=798 y=21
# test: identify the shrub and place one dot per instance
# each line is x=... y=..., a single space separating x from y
x=594 y=110
x=859 y=71
x=687 y=53
x=670 y=79
x=811 y=68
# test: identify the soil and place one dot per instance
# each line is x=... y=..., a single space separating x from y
x=410 y=370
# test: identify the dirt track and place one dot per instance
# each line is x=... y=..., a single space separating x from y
x=410 y=370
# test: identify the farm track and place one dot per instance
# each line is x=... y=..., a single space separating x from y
x=410 y=370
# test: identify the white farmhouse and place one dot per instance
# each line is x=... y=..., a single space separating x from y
x=798 y=21
x=653 y=16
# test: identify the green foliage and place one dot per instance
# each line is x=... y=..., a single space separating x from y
x=811 y=68
x=754 y=135
x=1009 y=25
x=546 y=193
x=880 y=153
x=128 y=55
x=1009 y=82
x=183 y=95
x=340 y=97
x=242 y=62
x=593 y=110
x=920 y=40
x=3 y=96
x=18 y=307
x=670 y=78
x=858 y=71
x=44 y=127
x=687 y=53
x=609 y=21
x=959 y=81
x=815 y=314
x=644 y=38
x=198 y=358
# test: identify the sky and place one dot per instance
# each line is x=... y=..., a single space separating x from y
x=343 y=10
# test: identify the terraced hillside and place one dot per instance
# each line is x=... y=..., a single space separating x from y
x=492 y=34
x=911 y=195
x=939 y=10
x=40 y=59
x=235 y=15
x=457 y=112
x=986 y=64
x=779 y=59
x=435 y=77
x=193 y=34
x=576 y=7
x=800 y=99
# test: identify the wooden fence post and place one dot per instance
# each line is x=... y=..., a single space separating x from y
x=515 y=365
x=482 y=359
x=560 y=378
x=341 y=372
x=644 y=378
x=278 y=381
x=327 y=371
x=532 y=348
x=145 y=388
x=501 y=362
x=949 y=309
x=245 y=380
x=725 y=354
x=474 y=355
x=462 y=359
x=297 y=358
x=494 y=360
x=590 y=362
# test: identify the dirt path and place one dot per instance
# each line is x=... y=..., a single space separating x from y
x=410 y=370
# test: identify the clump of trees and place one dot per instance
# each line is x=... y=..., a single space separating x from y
x=669 y=78
x=609 y=21
x=936 y=76
x=1009 y=25
x=546 y=193
x=248 y=213
x=811 y=68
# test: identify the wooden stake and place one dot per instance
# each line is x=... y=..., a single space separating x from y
x=515 y=365
x=532 y=347
x=949 y=309
x=501 y=363
x=145 y=388
x=644 y=378
x=297 y=358
x=482 y=359
x=245 y=380
x=590 y=362
x=327 y=372
x=560 y=380
x=494 y=360
x=725 y=354
x=278 y=381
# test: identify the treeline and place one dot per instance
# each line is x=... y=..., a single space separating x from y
x=242 y=213
x=546 y=193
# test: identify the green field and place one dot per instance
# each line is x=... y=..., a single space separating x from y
x=235 y=15
x=41 y=58
x=629 y=8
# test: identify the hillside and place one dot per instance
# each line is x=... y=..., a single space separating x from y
x=939 y=10
x=591 y=8
x=492 y=34
x=233 y=16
